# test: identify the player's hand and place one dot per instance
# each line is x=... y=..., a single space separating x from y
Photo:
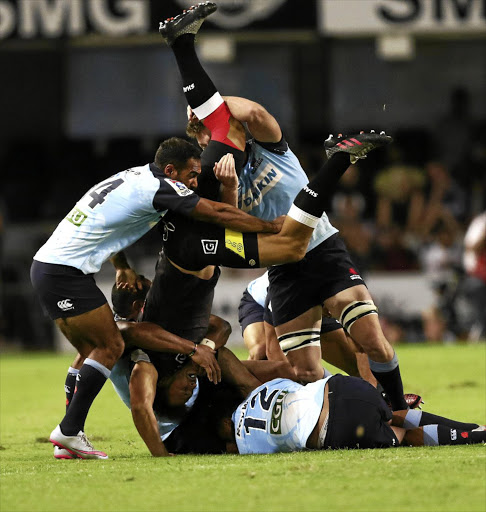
x=225 y=171
x=204 y=357
x=128 y=279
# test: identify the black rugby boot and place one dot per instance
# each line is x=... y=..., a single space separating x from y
x=188 y=22
x=358 y=146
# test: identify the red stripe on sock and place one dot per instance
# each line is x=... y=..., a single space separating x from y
x=218 y=123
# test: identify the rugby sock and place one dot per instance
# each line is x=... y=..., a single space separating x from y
x=200 y=92
x=435 y=435
x=309 y=204
x=89 y=381
x=416 y=418
x=70 y=384
x=388 y=375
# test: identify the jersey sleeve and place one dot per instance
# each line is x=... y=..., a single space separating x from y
x=175 y=196
x=279 y=148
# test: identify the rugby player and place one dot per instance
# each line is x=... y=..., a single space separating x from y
x=332 y=413
x=268 y=184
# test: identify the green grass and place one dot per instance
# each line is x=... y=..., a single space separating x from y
x=450 y=479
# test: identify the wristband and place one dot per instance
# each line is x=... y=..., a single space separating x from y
x=208 y=343
x=194 y=350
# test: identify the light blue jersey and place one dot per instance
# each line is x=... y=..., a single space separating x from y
x=120 y=378
x=113 y=215
x=278 y=416
x=269 y=183
x=258 y=289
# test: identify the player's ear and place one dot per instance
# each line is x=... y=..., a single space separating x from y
x=170 y=171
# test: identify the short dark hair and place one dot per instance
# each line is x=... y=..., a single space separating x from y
x=177 y=152
x=122 y=300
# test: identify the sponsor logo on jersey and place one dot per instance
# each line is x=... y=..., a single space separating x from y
x=234 y=242
x=261 y=185
x=209 y=246
x=276 y=423
x=65 y=305
x=188 y=88
x=76 y=217
x=353 y=274
x=179 y=187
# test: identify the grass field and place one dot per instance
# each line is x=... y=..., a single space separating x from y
x=452 y=380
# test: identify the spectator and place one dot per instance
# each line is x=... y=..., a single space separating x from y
x=475 y=266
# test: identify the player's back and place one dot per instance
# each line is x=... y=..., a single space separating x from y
x=109 y=217
x=278 y=416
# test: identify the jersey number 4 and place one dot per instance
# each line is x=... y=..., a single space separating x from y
x=100 y=192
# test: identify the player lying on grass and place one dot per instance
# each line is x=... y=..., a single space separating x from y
x=332 y=413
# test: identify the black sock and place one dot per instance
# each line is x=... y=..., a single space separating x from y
x=90 y=380
x=392 y=384
x=197 y=85
x=312 y=198
x=448 y=436
x=432 y=419
x=69 y=385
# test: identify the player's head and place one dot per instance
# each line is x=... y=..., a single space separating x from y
x=197 y=130
x=174 y=388
x=179 y=160
x=225 y=400
x=127 y=304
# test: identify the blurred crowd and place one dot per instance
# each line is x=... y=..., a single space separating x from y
x=420 y=206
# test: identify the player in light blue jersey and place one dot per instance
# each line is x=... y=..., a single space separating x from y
x=109 y=217
x=272 y=182
x=332 y=413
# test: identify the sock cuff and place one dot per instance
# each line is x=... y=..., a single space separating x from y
x=73 y=371
x=98 y=366
x=431 y=435
x=303 y=217
x=412 y=418
x=384 y=367
x=209 y=106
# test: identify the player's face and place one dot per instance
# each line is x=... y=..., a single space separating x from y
x=203 y=138
x=182 y=386
x=190 y=173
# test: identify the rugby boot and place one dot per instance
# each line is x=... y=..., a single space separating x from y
x=188 y=22
x=358 y=146
x=62 y=453
x=413 y=401
x=78 y=445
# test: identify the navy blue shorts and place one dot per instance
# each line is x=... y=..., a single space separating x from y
x=250 y=312
x=358 y=416
x=65 y=291
x=297 y=287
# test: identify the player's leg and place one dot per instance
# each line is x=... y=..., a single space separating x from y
x=359 y=316
x=336 y=349
x=413 y=418
x=99 y=328
x=250 y=317
x=299 y=340
x=440 y=435
x=201 y=94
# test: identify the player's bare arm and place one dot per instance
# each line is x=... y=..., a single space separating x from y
x=230 y=217
x=261 y=124
x=126 y=277
x=150 y=336
x=143 y=385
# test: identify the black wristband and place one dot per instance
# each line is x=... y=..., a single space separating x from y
x=194 y=350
